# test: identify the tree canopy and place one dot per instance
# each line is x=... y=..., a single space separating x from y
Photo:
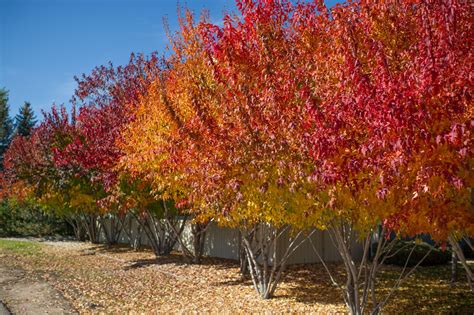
x=355 y=119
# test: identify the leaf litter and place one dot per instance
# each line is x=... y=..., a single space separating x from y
x=97 y=279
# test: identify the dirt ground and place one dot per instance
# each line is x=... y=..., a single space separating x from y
x=26 y=295
x=3 y=309
x=68 y=277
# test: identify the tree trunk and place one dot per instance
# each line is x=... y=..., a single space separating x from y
x=244 y=270
x=134 y=237
x=136 y=240
x=77 y=227
x=361 y=276
x=160 y=232
x=199 y=239
x=112 y=226
x=460 y=255
x=265 y=264
x=454 y=269
x=92 y=226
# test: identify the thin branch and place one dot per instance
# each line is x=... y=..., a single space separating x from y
x=401 y=278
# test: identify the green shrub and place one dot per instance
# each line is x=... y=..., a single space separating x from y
x=401 y=251
x=29 y=219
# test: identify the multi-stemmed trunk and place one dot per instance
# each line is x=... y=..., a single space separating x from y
x=77 y=227
x=359 y=290
x=85 y=226
x=198 y=231
x=265 y=262
x=193 y=252
x=112 y=225
x=161 y=232
x=92 y=227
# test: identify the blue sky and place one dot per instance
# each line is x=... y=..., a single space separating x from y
x=44 y=43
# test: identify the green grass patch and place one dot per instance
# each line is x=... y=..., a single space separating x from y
x=19 y=247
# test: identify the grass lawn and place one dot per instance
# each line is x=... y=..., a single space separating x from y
x=96 y=279
x=19 y=247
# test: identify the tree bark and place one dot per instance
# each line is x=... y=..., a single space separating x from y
x=459 y=253
x=265 y=265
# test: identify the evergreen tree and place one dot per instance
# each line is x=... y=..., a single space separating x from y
x=25 y=120
x=6 y=126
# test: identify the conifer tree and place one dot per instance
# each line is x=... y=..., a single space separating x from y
x=5 y=124
x=25 y=120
